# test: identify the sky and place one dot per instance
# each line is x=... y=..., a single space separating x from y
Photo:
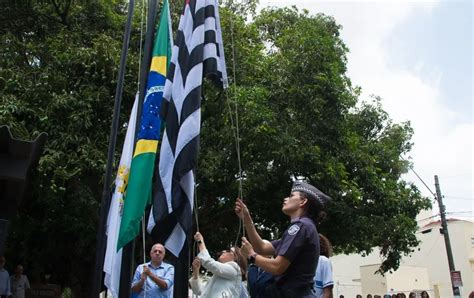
x=418 y=57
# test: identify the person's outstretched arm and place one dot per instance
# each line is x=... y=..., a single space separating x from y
x=261 y=246
x=224 y=270
x=275 y=266
x=195 y=281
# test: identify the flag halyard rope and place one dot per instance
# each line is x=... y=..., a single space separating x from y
x=143 y=13
x=236 y=129
x=236 y=134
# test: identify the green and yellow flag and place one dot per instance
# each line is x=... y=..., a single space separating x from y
x=138 y=194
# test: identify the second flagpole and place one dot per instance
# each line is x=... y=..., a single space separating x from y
x=128 y=250
x=106 y=193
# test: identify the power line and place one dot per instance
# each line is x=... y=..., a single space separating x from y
x=457 y=175
x=459 y=212
x=418 y=176
x=459 y=198
x=429 y=217
x=434 y=195
x=462 y=215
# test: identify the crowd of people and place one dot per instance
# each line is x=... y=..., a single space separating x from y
x=15 y=285
x=295 y=265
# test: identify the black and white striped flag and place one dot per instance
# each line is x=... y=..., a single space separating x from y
x=198 y=52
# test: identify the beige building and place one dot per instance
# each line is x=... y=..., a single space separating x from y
x=406 y=279
x=426 y=269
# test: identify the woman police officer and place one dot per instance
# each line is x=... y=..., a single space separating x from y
x=297 y=252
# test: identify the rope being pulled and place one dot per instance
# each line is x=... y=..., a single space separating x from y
x=234 y=120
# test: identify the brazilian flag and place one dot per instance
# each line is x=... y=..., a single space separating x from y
x=138 y=194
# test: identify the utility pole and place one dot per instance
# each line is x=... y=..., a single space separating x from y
x=442 y=212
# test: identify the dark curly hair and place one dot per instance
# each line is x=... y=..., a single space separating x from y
x=325 y=246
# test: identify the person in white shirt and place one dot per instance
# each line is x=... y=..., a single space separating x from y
x=228 y=272
x=323 y=279
x=19 y=283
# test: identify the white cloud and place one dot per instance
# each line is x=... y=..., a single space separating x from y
x=409 y=92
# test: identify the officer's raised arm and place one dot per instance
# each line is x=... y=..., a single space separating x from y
x=260 y=245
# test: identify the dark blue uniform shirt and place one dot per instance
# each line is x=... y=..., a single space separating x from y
x=258 y=281
x=300 y=245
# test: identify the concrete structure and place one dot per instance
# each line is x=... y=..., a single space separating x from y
x=425 y=269
x=405 y=279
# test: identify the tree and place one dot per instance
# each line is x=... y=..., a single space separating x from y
x=299 y=117
x=58 y=70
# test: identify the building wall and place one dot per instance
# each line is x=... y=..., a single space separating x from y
x=430 y=255
x=347 y=270
x=404 y=280
x=407 y=279
x=374 y=284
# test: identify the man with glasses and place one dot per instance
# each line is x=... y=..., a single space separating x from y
x=155 y=278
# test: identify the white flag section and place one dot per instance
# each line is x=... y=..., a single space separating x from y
x=113 y=258
x=198 y=52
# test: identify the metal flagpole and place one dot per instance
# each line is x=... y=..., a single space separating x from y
x=127 y=254
x=106 y=191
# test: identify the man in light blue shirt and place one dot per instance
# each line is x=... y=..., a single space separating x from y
x=4 y=279
x=156 y=278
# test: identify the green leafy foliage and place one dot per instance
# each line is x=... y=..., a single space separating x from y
x=298 y=116
x=59 y=75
